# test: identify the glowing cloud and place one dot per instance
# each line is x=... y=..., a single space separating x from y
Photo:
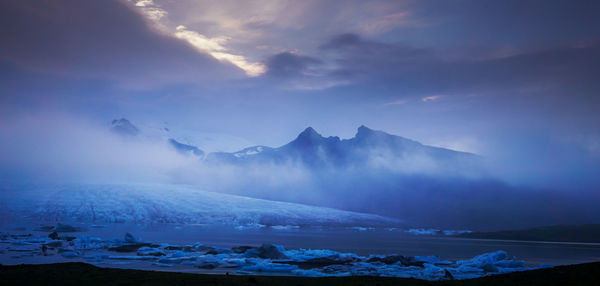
x=396 y=102
x=431 y=98
x=214 y=47
x=151 y=11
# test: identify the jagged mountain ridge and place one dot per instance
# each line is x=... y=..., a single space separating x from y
x=367 y=148
x=185 y=148
x=124 y=127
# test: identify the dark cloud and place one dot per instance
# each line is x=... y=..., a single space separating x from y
x=343 y=40
x=289 y=64
x=364 y=50
x=461 y=23
x=360 y=59
x=541 y=73
x=103 y=39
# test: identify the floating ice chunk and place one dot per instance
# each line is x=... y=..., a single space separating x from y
x=129 y=238
x=19 y=242
x=150 y=251
x=360 y=228
x=126 y=247
x=317 y=273
x=207 y=265
x=422 y=231
x=302 y=262
x=433 y=260
x=284 y=227
x=270 y=267
x=267 y=251
x=162 y=264
x=468 y=269
x=428 y=259
x=88 y=239
x=69 y=254
x=310 y=273
x=305 y=254
x=431 y=271
x=179 y=253
x=131 y=257
x=249 y=226
x=486 y=258
x=455 y=232
x=218 y=251
x=35 y=240
x=172 y=260
x=66 y=228
x=235 y=262
x=513 y=263
x=490 y=268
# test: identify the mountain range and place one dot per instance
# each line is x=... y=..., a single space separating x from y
x=368 y=148
x=312 y=149
x=374 y=172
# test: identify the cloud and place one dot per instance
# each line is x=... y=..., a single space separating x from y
x=377 y=17
x=396 y=102
x=343 y=40
x=215 y=47
x=431 y=98
x=144 y=3
x=420 y=72
x=99 y=39
x=242 y=30
x=292 y=70
x=151 y=11
x=291 y=64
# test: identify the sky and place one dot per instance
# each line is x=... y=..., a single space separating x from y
x=515 y=81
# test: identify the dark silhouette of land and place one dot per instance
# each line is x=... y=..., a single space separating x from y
x=89 y=275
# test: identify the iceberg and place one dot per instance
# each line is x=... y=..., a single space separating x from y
x=267 y=258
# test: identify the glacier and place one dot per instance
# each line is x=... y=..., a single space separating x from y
x=177 y=204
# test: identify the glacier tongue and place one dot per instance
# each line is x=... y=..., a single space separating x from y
x=139 y=203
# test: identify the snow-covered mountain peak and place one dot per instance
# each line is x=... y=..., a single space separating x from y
x=310 y=137
x=309 y=133
x=251 y=151
x=124 y=127
x=364 y=131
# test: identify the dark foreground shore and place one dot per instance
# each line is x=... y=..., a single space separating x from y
x=85 y=274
